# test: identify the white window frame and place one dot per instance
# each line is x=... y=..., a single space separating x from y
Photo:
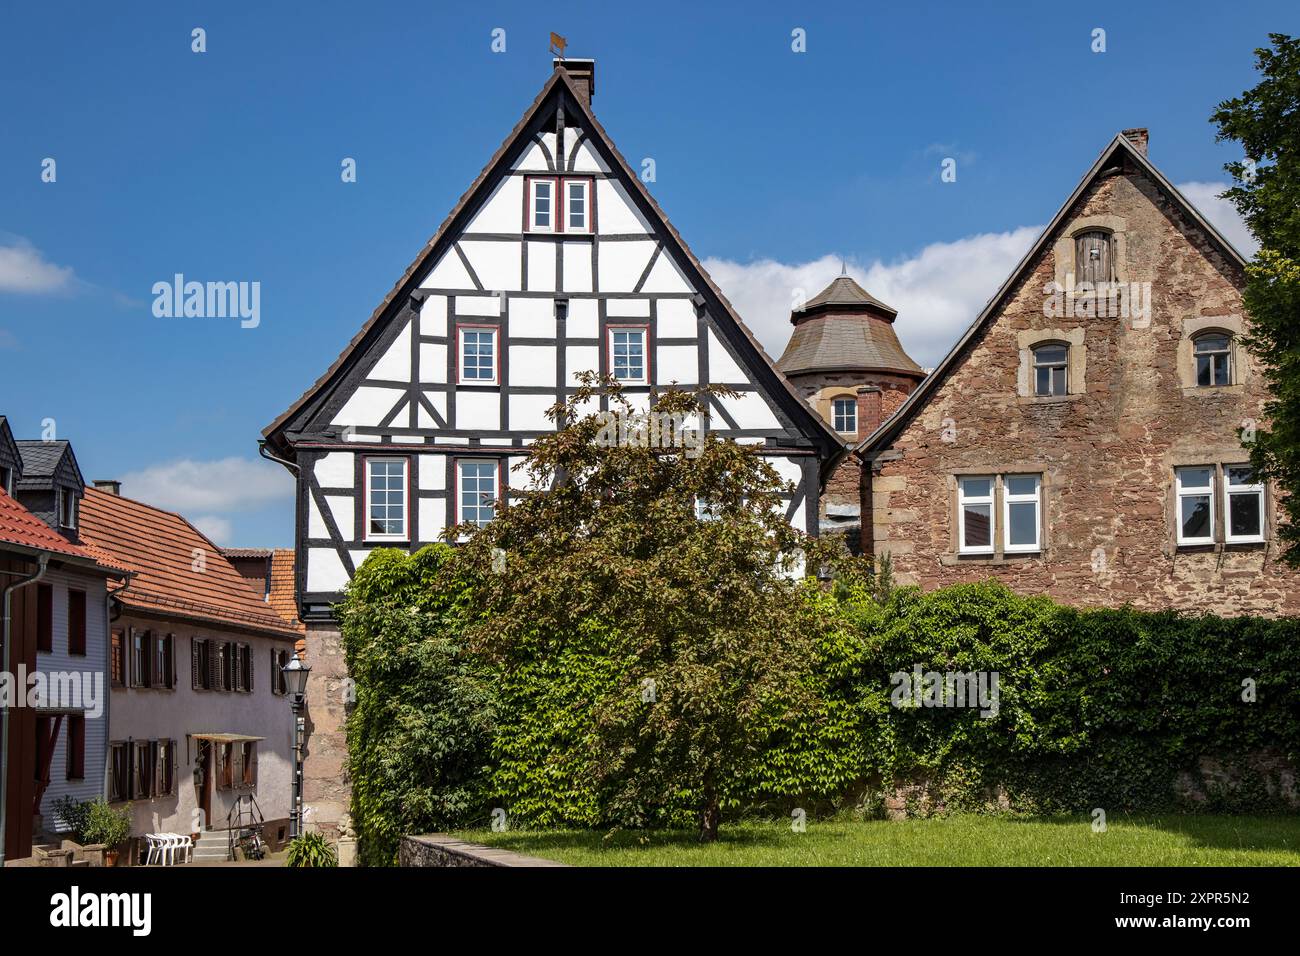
x=853 y=406
x=1229 y=492
x=962 y=500
x=553 y=184
x=496 y=487
x=642 y=331
x=460 y=355
x=566 y=225
x=67 y=509
x=1064 y=365
x=1008 y=499
x=406 y=499
x=1193 y=491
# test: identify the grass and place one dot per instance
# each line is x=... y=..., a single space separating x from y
x=954 y=841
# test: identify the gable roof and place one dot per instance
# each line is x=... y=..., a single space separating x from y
x=159 y=548
x=559 y=85
x=9 y=448
x=1120 y=147
x=44 y=460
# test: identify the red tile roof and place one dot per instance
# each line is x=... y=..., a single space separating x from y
x=20 y=527
x=163 y=551
x=283 y=599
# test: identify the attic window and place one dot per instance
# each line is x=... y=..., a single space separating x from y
x=844 y=413
x=1050 y=368
x=1213 y=352
x=558 y=204
x=6 y=480
x=1094 y=257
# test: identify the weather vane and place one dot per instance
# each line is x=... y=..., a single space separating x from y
x=558 y=43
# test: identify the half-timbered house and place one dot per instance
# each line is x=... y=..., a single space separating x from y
x=555 y=262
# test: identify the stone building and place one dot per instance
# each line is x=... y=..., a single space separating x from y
x=1084 y=438
x=845 y=360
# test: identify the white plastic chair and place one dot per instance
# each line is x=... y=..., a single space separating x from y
x=155 y=848
x=186 y=843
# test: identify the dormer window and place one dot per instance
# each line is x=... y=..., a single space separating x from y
x=7 y=480
x=1213 y=351
x=67 y=509
x=558 y=204
x=1050 y=368
x=1094 y=259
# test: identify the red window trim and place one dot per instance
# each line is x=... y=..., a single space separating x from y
x=610 y=329
x=559 y=204
x=365 y=498
x=496 y=350
x=455 y=477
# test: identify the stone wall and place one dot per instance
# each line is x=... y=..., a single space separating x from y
x=440 y=850
x=327 y=790
x=1107 y=451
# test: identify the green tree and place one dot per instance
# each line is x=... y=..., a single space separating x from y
x=1265 y=120
x=677 y=567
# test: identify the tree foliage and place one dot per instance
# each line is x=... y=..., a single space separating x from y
x=1265 y=120
x=677 y=569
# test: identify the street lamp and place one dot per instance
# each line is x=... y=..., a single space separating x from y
x=295 y=682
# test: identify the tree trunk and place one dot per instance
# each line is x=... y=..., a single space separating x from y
x=709 y=819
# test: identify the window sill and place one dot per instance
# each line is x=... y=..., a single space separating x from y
x=1212 y=391
x=1049 y=399
x=1005 y=557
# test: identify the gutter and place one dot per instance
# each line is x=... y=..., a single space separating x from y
x=261 y=450
x=43 y=563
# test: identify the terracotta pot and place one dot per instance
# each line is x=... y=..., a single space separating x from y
x=110 y=857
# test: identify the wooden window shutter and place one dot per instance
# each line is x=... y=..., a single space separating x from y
x=196 y=663
x=76 y=622
x=214 y=665
x=1092 y=258
x=76 y=747
x=169 y=661
x=44 y=618
x=248 y=668
x=237 y=671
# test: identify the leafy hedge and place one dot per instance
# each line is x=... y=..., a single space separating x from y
x=1101 y=708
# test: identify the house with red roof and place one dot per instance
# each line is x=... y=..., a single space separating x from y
x=53 y=641
x=201 y=735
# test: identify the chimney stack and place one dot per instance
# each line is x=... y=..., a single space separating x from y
x=109 y=485
x=1139 y=137
x=582 y=73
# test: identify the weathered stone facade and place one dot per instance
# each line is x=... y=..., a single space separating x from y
x=1108 y=449
x=327 y=790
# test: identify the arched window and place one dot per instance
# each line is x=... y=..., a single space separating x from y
x=1094 y=259
x=844 y=415
x=1213 y=352
x=1051 y=368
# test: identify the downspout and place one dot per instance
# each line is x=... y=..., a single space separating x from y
x=109 y=618
x=41 y=567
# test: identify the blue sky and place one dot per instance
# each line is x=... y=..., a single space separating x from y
x=775 y=166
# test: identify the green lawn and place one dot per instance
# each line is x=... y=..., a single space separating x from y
x=956 y=841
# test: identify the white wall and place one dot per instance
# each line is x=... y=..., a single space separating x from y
x=94 y=662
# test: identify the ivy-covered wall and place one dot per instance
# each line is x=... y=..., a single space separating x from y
x=1114 y=709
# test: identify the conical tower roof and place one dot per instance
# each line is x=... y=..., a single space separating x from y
x=845 y=328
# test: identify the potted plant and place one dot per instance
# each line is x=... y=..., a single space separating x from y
x=109 y=827
x=310 y=849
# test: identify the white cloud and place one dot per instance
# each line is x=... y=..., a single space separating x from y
x=937 y=292
x=217 y=530
x=1222 y=214
x=23 y=269
x=211 y=488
